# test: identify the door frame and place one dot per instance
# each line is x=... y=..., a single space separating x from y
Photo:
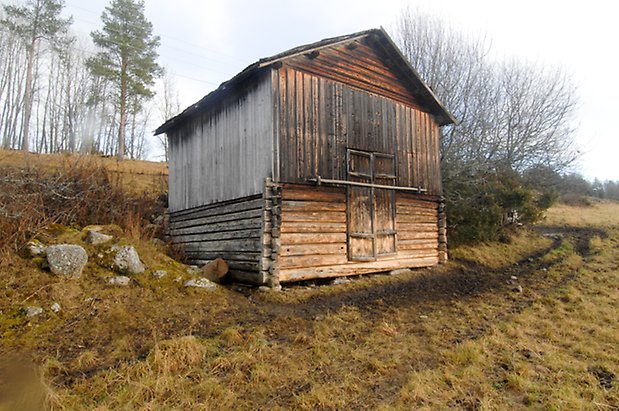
x=372 y=176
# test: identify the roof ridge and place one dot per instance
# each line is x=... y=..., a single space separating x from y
x=430 y=98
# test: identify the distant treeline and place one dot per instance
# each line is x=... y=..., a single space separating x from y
x=547 y=180
x=59 y=93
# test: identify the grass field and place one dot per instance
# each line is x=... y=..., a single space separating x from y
x=136 y=174
x=530 y=324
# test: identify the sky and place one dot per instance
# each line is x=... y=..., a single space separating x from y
x=204 y=43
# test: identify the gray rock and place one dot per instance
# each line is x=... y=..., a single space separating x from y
x=119 y=280
x=33 y=311
x=127 y=261
x=517 y=289
x=270 y=289
x=55 y=307
x=340 y=280
x=67 y=259
x=160 y=273
x=513 y=277
x=36 y=249
x=400 y=271
x=194 y=270
x=201 y=283
x=95 y=237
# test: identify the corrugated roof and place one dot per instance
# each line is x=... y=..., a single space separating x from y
x=430 y=101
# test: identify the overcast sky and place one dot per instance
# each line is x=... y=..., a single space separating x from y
x=204 y=43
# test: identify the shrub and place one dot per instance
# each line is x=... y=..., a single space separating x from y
x=488 y=202
x=576 y=200
x=77 y=193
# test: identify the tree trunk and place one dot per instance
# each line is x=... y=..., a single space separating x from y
x=28 y=98
x=123 y=109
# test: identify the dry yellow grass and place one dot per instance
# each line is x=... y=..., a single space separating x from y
x=497 y=254
x=136 y=174
x=546 y=348
x=602 y=213
x=459 y=336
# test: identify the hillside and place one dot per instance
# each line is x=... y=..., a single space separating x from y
x=136 y=174
x=529 y=323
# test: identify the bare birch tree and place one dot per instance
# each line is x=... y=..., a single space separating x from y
x=168 y=106
x=512 y=116
x=35 y=21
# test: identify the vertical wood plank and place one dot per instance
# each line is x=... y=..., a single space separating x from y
x=323 y=114
x=290 y=163
x=226 y=152
x=298 y=126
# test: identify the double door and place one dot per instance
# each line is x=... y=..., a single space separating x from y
x=371 y=209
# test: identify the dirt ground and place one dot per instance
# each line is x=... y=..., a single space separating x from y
x=443 y=306
x=375 y=296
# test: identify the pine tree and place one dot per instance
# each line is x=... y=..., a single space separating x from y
x=128 y=57
x=35 y=21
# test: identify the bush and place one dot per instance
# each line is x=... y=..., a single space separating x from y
x=79 y=193
x=487 y=203
x=576 y=200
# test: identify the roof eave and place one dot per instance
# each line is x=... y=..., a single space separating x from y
x=438 y=110
x=442 y=115
x=219 y=91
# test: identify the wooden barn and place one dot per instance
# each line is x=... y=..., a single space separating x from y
x=321 y=161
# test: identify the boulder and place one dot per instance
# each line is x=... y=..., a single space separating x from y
x=400 y=271
x=95 y=237
x=66 y=259
x=33 y=311
x=193 y=270
x=119 y=280
x=215 y=270
x=160 y=273
x=340 y=280
x=201 y=283
x=36 y=249
x=127 y=261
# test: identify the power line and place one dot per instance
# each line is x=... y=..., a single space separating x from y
x=206 y=69
x=195 y=79
x=170 y=47
x=93 y=53
x=163 y=36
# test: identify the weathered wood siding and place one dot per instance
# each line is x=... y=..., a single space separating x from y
x=313 y=234
x=360 y=66
x=320 y=118
x=416 y=224
x=225 y=152
x=231 y=230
